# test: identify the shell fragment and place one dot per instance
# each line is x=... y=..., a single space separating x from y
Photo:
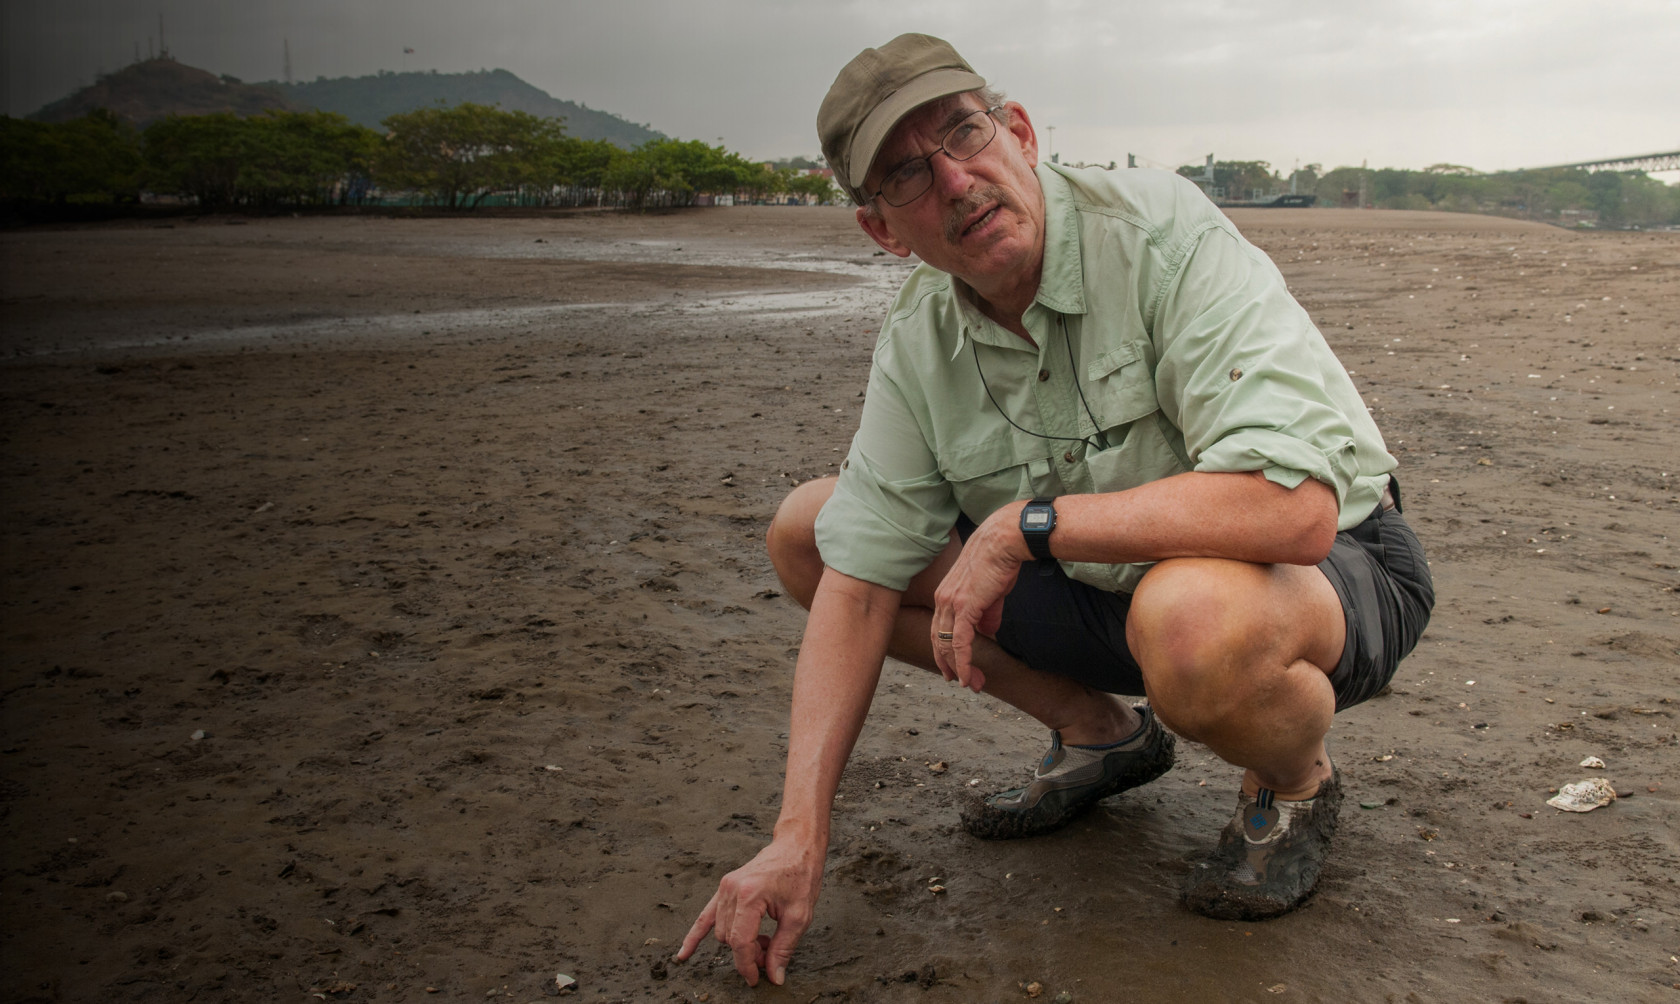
x=1583 y=796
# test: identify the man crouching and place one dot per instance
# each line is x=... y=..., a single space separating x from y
x=1103 y=452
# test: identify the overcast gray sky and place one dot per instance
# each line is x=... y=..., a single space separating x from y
x=1494 y=84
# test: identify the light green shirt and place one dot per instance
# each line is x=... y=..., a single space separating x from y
x=1187 y=347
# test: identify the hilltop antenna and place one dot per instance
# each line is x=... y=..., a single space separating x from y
x=286 y=59
x=163 y=47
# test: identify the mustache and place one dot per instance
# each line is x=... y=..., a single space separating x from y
x=957 y=220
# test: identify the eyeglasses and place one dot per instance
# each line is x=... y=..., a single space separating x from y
x=911 y=179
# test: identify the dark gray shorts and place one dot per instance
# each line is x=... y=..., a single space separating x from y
x=1058 y=625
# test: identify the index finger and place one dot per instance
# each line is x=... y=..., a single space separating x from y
x=702 y=924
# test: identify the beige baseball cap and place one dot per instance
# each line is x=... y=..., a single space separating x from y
x=875 y=90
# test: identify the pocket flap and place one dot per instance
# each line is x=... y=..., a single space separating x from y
x=1121 y=389
x=1112 y=360
x=965 y=463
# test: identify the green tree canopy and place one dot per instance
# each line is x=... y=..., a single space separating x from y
x=461 y=155
x=678 y=170
x=93 y=157
x=264 y=161
x=1616 y=198
x=582 y=163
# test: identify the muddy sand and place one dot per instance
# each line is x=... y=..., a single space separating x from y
x=385 y=618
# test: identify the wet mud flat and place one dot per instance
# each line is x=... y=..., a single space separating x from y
x=385 y=617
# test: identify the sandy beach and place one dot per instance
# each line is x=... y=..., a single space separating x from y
x=386 y=618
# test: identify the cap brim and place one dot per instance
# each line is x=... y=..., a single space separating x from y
x=866 y=142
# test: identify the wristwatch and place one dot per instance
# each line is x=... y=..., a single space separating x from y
x=1037 y=520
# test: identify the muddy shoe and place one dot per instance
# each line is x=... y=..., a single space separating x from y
x=1269 y=856
x=1071 y=779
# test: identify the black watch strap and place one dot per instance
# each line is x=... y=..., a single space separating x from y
x=1038 y=518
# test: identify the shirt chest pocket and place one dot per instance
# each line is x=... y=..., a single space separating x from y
x=1142 y=445
x=1120 y=388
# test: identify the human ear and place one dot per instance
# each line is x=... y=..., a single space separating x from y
x=875 y=225
x=1021 y=127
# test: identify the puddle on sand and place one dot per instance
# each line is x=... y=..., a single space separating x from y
x=865 y=266
x=877 y=281
x=870 y=297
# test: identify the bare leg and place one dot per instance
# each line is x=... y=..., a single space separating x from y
x=1234 y=655
x=1237 y=656
x=1083 y=716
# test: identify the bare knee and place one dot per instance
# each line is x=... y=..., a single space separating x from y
x=1201 y=641
x=792 y=539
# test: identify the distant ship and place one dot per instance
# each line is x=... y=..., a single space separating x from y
x=1287 y=200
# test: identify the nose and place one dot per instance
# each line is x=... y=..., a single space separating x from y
x=951 y=177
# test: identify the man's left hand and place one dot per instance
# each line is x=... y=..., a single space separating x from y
x=969 y=601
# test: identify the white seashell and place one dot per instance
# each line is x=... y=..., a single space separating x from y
x=1583 y=796
x=1593 y=761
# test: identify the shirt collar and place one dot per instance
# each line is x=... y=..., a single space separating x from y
x=1061 y=284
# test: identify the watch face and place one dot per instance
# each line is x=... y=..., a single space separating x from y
x=1035 y=519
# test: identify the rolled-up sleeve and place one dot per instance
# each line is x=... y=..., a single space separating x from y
x=1244 y=374
x=892 y=511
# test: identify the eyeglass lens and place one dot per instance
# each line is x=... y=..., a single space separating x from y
x=965 y=139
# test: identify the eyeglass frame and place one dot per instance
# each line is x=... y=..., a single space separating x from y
x=928 y=159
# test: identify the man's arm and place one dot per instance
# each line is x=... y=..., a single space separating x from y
x=1240 y=516
x=839 y=664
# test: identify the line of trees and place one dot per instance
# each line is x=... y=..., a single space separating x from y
x=458 y=158
x=45 y=163
x=1612 y=198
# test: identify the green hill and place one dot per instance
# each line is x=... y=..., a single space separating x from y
x=146 y=91
x=368 y=100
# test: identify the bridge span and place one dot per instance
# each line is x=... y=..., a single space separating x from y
x=1648 y=162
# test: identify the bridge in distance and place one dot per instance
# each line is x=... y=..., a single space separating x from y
x=1647 y=162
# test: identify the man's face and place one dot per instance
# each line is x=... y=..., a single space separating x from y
x=983 y=219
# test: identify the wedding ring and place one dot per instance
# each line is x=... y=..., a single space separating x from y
x=945 y=636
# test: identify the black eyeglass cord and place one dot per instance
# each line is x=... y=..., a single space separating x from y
x=1102 y=441
x=1073 y=365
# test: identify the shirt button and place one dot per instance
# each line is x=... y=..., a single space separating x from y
x=1236 y=374
x=1068 y=456
x=1043 y=375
